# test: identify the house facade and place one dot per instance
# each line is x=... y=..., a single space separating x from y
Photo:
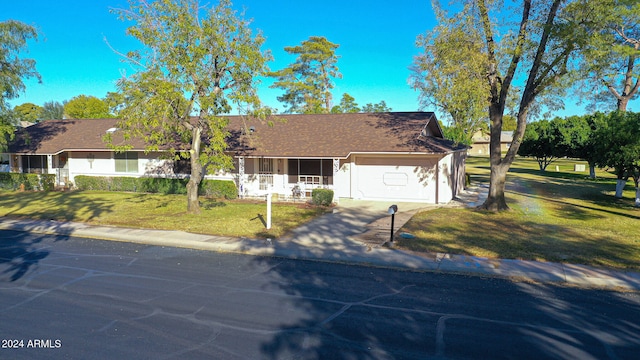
x=481 y=142
x=384 y=156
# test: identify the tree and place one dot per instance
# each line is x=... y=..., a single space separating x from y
x=617 y=139
x=460 y=92
x=541 y=141
x=347 y=105
x=610 y=55
x=52 y=110
x=28 y=112
x=560 y=137
x=13 y=69
x=86 y=107
x=538 y=51
x=376 y=108
x=308 y=81
x=199 y=60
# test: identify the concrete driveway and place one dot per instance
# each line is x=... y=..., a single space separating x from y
x=367 y=223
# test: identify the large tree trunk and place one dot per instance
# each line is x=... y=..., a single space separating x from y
x=496 y=200
x=193 y=204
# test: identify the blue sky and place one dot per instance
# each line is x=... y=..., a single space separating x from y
x=377 y=44
x=376 y=38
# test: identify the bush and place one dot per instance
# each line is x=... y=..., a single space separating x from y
x=92 y=182
x=47 y=182
x=322 y=197
x=13 y=181
x=219 y=189
x=214 y=188
x=162 y=185
x=122 y=183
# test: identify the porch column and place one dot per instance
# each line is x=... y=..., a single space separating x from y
x=49 y=164
x=336 y=181
x=241 y=176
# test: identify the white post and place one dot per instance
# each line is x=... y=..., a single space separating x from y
x=620 y=184
x=269 y=209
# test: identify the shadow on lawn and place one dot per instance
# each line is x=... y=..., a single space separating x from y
x=67 y=206
x=508 y=238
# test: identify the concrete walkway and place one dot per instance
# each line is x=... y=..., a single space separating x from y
x=356 y=232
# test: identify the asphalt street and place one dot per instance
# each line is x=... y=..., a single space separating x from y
x=63 y=297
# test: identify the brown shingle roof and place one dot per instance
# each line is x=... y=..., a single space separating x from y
x=324 y=135
x=338 y=135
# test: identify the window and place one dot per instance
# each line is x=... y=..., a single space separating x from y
x=265 y=166
x=34 y=164
x=126 y=162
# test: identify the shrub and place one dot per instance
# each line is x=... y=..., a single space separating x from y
x=322 y=197
x=6 y=181
x=92 y=182
x=162 y=185
x=47 y=182
x=219 y=189
x=214 y=188
x=12 y=181
x=122 y=183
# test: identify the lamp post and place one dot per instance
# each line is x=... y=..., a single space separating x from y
x=393 y=209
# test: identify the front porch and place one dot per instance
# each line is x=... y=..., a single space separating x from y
x=39 y=164
x=288 y=179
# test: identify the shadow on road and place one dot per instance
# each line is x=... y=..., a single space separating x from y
x=20 y=253
x=353 y=312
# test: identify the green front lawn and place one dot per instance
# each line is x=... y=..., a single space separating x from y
x=559 y=216
x=152 y=211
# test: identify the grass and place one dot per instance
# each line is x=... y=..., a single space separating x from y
x=236 y=218
x=559 y=216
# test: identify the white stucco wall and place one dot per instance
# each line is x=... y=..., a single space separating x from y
x=103 y=164
x=393 y=177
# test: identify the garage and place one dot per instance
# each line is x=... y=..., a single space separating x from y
x=395 y=178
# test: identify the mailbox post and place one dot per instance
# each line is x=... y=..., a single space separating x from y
x=269 y=195
x=393 y=209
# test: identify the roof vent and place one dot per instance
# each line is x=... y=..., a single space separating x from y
x=252 y=129
x=112 y=130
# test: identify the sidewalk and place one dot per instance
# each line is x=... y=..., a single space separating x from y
x=356 y=232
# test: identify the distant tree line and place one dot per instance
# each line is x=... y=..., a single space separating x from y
x=604 y=140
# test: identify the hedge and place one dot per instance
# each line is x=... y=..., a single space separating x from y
x=213 y=188
x=322 y=197
x=13 y=181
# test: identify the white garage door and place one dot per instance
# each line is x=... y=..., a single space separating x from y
x=391 y=178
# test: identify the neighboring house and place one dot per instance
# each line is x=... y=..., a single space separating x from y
x=481 y=140
x=382 y=156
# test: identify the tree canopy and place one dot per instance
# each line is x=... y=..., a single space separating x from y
x=86 y=107
x=52 y=110
x=308 y=81
x=28 y=112
x=548 y=140
x=610 y=55
x=460 y=92
x=13 y=70
x=347 y=105
x=616 y=140
x=197 y=62
x=376 y=108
